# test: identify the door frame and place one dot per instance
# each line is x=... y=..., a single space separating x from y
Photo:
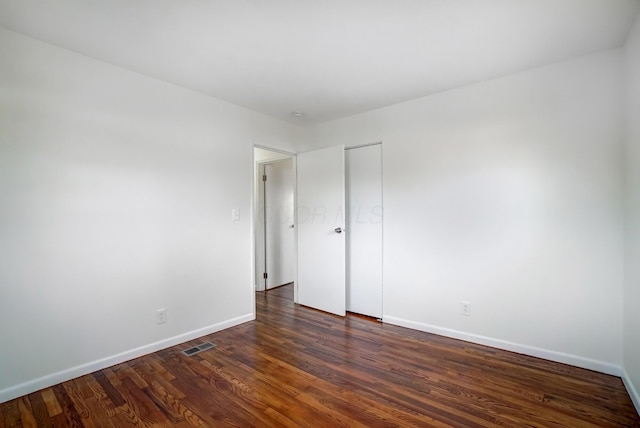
x=262 y=221
x=295 y=215
x=255 y=217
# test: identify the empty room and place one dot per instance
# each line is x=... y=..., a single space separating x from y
x=320 y=213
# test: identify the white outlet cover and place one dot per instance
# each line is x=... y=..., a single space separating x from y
x=235 y=214
x=465 y=308
x=161 y=316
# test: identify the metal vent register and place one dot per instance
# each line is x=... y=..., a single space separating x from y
x=199 y=348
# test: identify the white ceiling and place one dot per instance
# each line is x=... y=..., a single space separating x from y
x=327 y=58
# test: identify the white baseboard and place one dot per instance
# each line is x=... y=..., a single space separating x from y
x=533 y=351
x=81 y=370
x=633 y=392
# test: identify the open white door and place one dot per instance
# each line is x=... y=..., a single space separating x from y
x=279 y=232
x=321 y=235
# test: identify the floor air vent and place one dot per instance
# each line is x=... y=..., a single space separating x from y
x=199 y=348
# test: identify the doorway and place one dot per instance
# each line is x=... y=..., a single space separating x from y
x=274 y=234
x=340 y=262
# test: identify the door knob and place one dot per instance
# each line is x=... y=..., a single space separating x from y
x=338 y=230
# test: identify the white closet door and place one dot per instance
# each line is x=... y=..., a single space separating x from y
x=364 y=230
x=321 y=238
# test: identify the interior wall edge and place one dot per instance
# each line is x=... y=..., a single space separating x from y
x=532 y=351
x=37 y=384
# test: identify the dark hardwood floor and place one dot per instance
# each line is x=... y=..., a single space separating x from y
x=295 y=366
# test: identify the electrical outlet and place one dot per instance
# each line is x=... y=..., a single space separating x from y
x=465 y=308
x=161 y=316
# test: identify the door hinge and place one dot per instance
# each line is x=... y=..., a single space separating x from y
x=264 y=275
x=264 y=178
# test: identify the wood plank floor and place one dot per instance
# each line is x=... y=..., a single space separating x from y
x=295 y=366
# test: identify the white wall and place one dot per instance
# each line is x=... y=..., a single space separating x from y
x=116 y=193
x=507 y=194
x=632 y=247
